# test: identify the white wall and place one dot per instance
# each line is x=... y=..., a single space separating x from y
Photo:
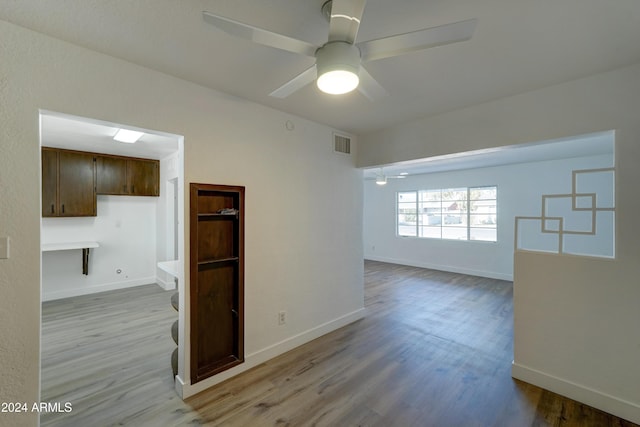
x=303 y=234
x=559 y=341
x=125 y=229
x=520 y=187
x=169 y=170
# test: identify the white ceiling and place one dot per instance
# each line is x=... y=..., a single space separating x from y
x=79 y=133
x=519 y=45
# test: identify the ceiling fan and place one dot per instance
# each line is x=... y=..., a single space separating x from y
x=381 y=178
x=338 y=68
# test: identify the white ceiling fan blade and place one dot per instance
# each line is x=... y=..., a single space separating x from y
x=417 y=40
x=258 y=35
x=345 y=19
x=298 y=82
x=369 y=87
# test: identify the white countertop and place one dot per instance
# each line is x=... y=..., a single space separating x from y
x=170 y=267
x=64 y=246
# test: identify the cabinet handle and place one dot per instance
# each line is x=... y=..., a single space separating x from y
x=235 y=313
x=62 y=208
x=133 y=189
x=53 y=210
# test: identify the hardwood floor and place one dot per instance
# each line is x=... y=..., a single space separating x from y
x=435 y=349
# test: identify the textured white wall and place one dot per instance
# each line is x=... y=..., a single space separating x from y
x=520 y=188
x=568 y=289
x=303 y=233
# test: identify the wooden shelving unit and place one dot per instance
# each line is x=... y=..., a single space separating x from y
x=217 y=278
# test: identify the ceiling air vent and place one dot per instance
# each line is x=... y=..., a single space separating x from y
x=341 y=144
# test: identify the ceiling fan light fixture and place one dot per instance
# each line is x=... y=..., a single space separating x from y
x=338 y=82
x=338 y=66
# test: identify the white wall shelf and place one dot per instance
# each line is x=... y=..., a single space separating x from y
x=66 y=246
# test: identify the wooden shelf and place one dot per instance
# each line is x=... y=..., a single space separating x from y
x=218 y=215
x=219 y=261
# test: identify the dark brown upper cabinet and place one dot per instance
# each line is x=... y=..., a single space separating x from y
x=127 y=176
x=111 y=175
x=143 y=177
x=68 y=183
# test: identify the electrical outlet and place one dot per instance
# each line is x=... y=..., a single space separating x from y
x=282 y=317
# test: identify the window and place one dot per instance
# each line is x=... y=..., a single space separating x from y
x=451 y=213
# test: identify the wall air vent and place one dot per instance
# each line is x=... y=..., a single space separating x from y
x=341 y=144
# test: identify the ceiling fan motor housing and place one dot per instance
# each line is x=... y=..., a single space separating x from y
x=338 y=55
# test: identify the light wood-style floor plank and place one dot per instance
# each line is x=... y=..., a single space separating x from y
x=435 y=349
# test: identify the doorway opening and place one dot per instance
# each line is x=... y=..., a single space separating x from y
x=107 y=332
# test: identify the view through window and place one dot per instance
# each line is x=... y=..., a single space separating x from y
x=451 y=213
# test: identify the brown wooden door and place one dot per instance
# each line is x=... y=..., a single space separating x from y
x=49 y=182
x=76 y=184
x=111 y=175
x=217 y=279
x=143 y=177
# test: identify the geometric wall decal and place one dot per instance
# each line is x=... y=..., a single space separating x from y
x=582 y=220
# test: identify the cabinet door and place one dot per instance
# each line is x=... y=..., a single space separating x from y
x=216 y=316
x=143 y=177
x=49 y=182
x=76 y=184
x=111 y=175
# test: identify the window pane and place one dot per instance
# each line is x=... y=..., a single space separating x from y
x=431 y=195
x=483 y=220
x=457 y=233
x=454 y=194
x=405 y=229
x=483 y=193
x=431 y=219
x=483 y=205
x=407 y=213
x=486 y=234
x=431 y=232
x=407 y=221
x=407 y=208
x=430 y=207
x=409 y=196
x=454 y=219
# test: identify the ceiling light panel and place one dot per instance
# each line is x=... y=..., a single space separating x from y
x=128 y=136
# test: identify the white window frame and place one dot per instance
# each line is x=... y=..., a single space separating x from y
x=419 y=226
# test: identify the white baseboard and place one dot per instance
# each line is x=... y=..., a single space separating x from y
x=86 y=290
x=448 y=268
x=254 y=359
x=166 y=285
x=619 y=407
